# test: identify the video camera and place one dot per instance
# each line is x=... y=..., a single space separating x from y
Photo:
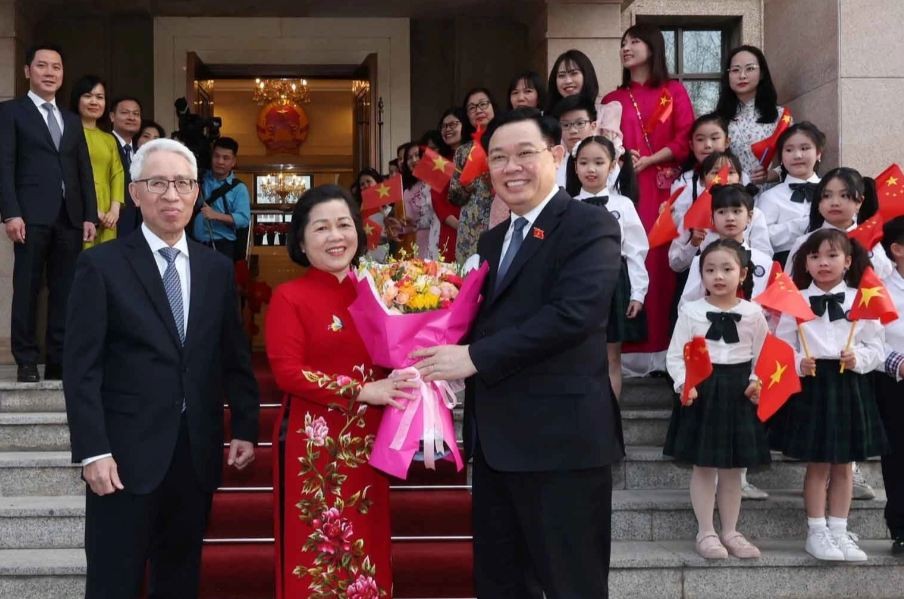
x=197 y=132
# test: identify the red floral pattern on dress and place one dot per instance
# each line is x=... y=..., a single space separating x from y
x=342 y=568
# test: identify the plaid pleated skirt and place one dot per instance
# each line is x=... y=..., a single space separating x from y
x=834 y=419
x=720 y=429
x=622 y=329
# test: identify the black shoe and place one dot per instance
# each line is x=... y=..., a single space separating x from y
x=53 y=372
x=897 y=546
x=27 y=373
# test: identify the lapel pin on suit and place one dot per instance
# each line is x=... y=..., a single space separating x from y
x=538 y=233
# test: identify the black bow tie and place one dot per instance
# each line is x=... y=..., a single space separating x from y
x=599 y=201
x=801 y=192
x=724 y=326
x=834 y=302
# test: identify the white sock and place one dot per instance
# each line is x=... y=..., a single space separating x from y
x=837 y=524
x=815 y=524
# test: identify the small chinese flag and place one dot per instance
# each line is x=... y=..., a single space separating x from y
x=434 y=170
x=373 y=231
x=765 y=149
x=387 y=192
x=782 y=295
x=664 y=229
x=873 y=301
x=697 y=366
x=890 y=189
x=476 y=164
x=778 y=376
x=869 y=233
x=700 y=214
x=662 y=111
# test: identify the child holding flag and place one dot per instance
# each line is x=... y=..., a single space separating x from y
x=890 y=389
x=716 y=427
x=787 y=205
x=834 y=420
x=843 y=198
x=594 y=159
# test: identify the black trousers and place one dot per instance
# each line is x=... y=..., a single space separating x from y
x=224 y=246
x=541 y=532
x=889 y=396
x=54 y=248
x=123 y=532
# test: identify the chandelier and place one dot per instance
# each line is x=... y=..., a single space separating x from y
x=283 y=189
x=282 y=91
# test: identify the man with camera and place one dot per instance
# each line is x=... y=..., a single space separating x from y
x=225 y=204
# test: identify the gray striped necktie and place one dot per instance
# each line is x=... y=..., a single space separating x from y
x=173 y=288
x=52 y=124
x=512 y=250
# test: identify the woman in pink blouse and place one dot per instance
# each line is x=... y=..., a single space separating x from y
x=656 y=121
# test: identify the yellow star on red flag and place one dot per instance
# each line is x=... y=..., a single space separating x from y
x=383 y=190
x=777 y=375
x=868 y=293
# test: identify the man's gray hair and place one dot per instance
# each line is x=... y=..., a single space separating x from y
x=162 y=145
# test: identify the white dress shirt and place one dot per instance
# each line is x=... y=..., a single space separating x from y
x=785 y=219
x=531 y=216
x=877 y=257
x=184 y=271
x=692 y=322
x=694 y=289
x=894 y=331
x=826 y=338
x=39 y=102
x=634 y=243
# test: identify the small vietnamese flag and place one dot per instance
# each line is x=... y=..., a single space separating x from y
x=890 y=189
x=664 y=229
x=782 y=295
x=476 y=164
x=373 y=231
x=662 y=112
x=387 y=192
x=872 y=301
x=697 y=366
x=700 y=214
x=765 y=149
x=434 y=170
x=869 y=233
x=777 y=269
x=778 y=376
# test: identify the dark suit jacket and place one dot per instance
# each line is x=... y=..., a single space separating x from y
x=541 y=398
x=125 y=372
x=129 y=215
x=32 y=170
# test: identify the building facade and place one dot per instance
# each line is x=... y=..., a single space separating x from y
x=838 y=63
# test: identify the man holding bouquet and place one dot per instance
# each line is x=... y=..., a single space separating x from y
x=541 y=424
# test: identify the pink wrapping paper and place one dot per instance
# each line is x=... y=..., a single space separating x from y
x=389 y=339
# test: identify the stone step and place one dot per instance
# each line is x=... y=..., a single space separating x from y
x=52 y=473
x=48 y=396
x=32 y=397
x=645 y=467
x=673 y=568
x=37 y=522
x=28 y=431
x=25 y=431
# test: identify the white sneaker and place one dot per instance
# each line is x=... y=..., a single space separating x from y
x=847 y=543
x=862 y=490
x=821 y=545
x=751 y=491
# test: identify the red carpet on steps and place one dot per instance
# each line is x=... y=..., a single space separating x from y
x=431 y=524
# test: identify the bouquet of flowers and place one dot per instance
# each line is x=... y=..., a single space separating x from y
x=403 y=306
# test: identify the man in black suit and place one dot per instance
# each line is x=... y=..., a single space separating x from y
x=540 y=421
x=47 y=203
x=125 y=116
x=153 y=343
